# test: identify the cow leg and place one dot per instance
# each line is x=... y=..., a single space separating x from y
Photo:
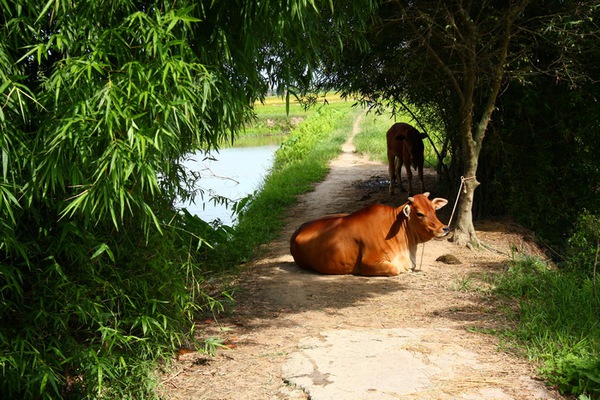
x=421 y=179
x=399 y=174
x=391 y=171
x=409 y=177
x=378 y=268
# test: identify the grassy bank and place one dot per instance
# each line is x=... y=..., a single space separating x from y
x=555 y=323
x=301 y=160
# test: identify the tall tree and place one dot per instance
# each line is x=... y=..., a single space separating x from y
x=453 y=58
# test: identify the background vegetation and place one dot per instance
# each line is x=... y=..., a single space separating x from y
x=557 y=313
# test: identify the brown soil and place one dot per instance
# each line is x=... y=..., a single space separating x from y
x=278 y=305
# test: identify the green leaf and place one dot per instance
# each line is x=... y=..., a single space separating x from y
x=103 y=248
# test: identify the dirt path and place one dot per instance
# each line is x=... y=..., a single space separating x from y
x=284 y=314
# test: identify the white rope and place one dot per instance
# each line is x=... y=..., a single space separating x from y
x=462 y=183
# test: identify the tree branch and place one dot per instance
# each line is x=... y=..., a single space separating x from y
x=438 y=61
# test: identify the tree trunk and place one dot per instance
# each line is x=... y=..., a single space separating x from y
x=472 y=136
x=464 y=231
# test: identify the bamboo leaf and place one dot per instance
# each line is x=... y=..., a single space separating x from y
x=44 y=11
x=103 y=248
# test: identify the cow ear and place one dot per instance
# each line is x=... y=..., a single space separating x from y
x=439 y=203
x=406 y=210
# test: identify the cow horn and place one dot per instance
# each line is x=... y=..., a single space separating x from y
x=411 y=199
x=426 y=194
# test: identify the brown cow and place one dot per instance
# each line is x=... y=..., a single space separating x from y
x=405 y=147
x=376 y=240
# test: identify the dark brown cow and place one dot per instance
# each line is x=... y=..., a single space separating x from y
x=404 y=147
x=376 y=240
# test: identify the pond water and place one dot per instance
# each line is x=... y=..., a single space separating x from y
x=234 y=173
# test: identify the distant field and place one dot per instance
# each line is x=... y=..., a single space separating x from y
x=273 y=121
x=275 y=106
x=272 y=118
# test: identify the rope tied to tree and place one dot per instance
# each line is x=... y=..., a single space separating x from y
x=460 y=189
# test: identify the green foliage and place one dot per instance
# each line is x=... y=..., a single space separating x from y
x=307 y=137
x=584 y=245
x=575 y=371
x=100 y=278
x=557 y=323
x=541 y=166
x=91 y=324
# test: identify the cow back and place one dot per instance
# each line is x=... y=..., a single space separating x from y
x=406 y=142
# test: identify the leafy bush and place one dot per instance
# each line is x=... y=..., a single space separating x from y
x=91 y=318
x=99 y=279
x=575 y=373
x=583 y=245
x=540 y=162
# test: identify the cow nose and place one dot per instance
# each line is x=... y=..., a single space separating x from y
x=446 y=230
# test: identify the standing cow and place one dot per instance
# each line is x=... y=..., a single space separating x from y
x=376 y=240
x=405 y=147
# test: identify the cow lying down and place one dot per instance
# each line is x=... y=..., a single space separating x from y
x=376 y=240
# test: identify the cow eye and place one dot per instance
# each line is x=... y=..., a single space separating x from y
x=420 y=215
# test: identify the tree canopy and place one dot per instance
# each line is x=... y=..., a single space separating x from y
x=454 y=61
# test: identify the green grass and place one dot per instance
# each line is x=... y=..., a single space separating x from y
x=557 y=323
